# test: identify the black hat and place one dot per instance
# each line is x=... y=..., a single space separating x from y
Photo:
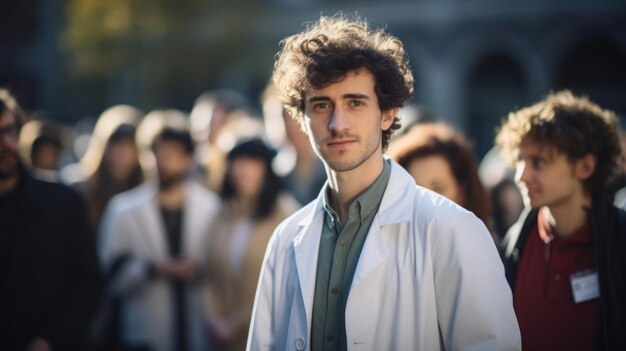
x=176 y=134
x=123 y=131
x=253 y=147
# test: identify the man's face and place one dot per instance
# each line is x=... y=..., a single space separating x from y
x=8 y=145
x=344 y=121
x=545 y=176
x=295 y=134
x=46 y=156
x=173 y=162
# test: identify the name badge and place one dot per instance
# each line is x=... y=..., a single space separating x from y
x=585 y=285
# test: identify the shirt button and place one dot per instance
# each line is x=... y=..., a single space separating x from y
x=330 y=338
x=343 y=243
x=334 y=291
x=557 y=277
x=300 y=344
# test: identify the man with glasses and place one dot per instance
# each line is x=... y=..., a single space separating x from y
x=49 y=278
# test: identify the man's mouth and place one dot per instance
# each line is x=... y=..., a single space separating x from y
x=8 y=157
x=340 y=143
x=531 y=192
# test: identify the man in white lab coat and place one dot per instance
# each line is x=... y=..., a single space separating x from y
x=152 y=244
x=375 y=262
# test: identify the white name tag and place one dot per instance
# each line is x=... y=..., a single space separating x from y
x=585 y=285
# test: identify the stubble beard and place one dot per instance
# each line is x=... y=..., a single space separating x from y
x=170 y=181
x=6 y=174
x=344 y=164
x=8 y=170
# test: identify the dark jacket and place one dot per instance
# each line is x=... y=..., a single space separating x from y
x=50 y=283
x=608 y=229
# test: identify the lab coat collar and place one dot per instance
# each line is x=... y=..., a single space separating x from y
x=398 y=195
x=396 y=207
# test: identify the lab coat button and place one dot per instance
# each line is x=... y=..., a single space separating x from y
x=300 y=344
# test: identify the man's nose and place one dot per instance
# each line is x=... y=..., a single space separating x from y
x=8 y=135
x=522 y=173
x=338 y=120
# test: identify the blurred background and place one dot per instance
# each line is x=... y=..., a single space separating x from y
x=473 y=60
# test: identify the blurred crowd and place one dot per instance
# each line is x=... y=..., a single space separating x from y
x=175 y=210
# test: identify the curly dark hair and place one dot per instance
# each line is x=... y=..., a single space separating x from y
x=572 y=125
x=332 y=47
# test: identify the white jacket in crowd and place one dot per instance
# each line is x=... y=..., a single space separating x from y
x=132 y=225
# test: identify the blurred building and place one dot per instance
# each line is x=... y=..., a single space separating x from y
x=474 y=60
x=29 y=57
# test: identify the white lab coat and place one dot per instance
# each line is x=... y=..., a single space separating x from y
x=429 y=278
x=133 y=225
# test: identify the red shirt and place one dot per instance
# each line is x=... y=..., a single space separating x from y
x=544 y=303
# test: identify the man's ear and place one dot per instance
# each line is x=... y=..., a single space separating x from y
x=585 y=167
x=388 y=117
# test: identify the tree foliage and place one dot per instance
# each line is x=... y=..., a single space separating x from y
x=155 y=46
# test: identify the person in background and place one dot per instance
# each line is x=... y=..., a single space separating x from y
x=152 y=244
x=253 y=204
x=441 y=160
x=617 y=185
x=507 y=205
x=375 y=262
x=303 y=171
x=497 y=175
x=212 y=119
x=40 y=148
x=50 y=284
x=565 y=256
x=111 y=163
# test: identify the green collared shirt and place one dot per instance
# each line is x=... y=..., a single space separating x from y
x=339 y=252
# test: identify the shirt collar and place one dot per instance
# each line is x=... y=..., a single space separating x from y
x=546 y=232
x=366 y=204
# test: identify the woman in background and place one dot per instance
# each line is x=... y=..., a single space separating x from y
x=441 y=160
x=253 y=204
x=111 y=163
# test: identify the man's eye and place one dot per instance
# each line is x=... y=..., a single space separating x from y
x=321 y=106
x=356 y=103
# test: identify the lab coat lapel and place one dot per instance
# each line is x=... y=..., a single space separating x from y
x=306 y=249
x=152 y=224
x=373 y=253
x=395 y=207
x=195 y=229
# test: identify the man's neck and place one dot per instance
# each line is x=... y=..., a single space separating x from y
x=172 y=197
x=345 y=187
x=568 y=217
x=8 y=184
